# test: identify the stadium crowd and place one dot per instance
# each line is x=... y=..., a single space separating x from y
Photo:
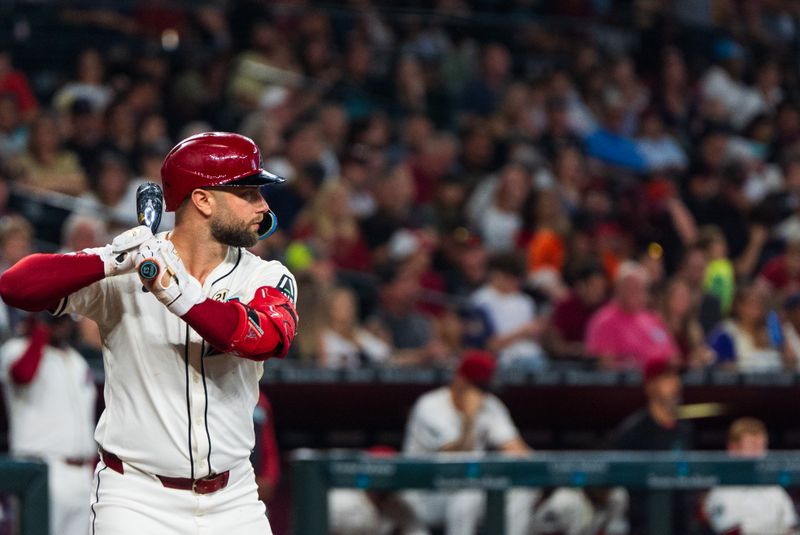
x=563 y=184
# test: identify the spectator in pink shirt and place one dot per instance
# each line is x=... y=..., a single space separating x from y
x=625 y=333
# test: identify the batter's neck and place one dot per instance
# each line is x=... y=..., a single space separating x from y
x=200 y=254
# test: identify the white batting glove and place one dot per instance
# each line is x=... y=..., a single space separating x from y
x=162 y=272
x=119 y=257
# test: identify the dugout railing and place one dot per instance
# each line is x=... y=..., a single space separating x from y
x=28 y=482
x=656 y=474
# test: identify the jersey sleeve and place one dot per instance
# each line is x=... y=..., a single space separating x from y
x=721 y=517
x=426 y=430
x=276 y=275
x=92 y=302
x=501 y=427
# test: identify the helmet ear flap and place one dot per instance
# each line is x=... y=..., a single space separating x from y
x=268 y=226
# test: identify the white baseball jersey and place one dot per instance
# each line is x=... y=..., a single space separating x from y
x=175 y=406
x=53 y=415
x=569 y=512
x=755 y=510
x=435 y=422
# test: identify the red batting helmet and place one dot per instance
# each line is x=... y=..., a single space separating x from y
x=212 y=159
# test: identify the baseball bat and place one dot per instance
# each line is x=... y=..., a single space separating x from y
x=149 y=206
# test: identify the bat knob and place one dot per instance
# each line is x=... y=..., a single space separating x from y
x=148 y=270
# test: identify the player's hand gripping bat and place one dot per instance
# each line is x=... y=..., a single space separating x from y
x=149 y=206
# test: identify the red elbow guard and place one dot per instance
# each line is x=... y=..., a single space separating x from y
x=266 y=326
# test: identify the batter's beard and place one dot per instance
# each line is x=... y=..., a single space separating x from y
x=232 y=234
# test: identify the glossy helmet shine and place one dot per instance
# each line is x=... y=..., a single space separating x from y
x=215 y=159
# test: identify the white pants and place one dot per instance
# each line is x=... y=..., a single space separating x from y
x=69 y=488
x=461 y=512
x=136 y=503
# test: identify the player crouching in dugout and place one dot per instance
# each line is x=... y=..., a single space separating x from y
x=464 y=417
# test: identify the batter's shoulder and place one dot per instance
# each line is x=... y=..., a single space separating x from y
x=270 y=273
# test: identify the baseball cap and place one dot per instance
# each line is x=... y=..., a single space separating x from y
x=655 y=368
x=477 y=367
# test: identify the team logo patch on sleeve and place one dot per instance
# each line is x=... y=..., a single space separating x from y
x=286 y=285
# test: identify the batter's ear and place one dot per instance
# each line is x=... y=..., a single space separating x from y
x=203 y=200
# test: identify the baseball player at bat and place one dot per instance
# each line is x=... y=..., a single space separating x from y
x=183 y=359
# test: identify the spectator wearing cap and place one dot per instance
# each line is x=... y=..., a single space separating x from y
x=512 y=327
x=567 y=326
x=750 y=510
x=16 y=82
x=464 y=417
x=626 y=333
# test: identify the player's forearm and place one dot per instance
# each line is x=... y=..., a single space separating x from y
x=24 y=369
x=39 y=281
x=218 y=323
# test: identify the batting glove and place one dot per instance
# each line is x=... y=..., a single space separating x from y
x=163 y=273
x=119 y=257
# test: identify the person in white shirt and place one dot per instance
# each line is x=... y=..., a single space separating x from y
x=464 y=417
x=512 y=324
x=187 y=318
x=754 y=510
x=590 y=511
x=50 y=398
x=344 y=343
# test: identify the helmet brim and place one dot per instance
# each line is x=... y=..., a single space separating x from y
x=261 y=178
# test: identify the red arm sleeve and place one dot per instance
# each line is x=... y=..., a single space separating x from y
x=24 y=369
x=39 y=281
x=263 y=328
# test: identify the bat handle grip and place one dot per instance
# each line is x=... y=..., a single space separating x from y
x=148 y=269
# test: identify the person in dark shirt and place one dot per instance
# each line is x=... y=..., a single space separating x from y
x=570 y=317
x=656 y=428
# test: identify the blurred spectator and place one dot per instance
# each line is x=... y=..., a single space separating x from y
x=50 y=398
x=13 y=131
x=745 y=342
x=396 y=209
x=566 y=331
x=344 y=343
x=692 y=271
x=559 y=134
x=723 y=83
x=791 y=330
x=109 y=194
x=330 y=223
x=46 y=165
x=16 y=83
x=481 y=96
x=753 y=510
x=586 y=511
x=661 y=151
x=720 y=277
x=496 y=210
x=782 y=272
x=88 y=86
x=413 y=335
x=547 y=247
x=626 y=332
x=680 y=317
x=512 y=327
x=464 y=417
x=372 y=512
x=16 y=237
